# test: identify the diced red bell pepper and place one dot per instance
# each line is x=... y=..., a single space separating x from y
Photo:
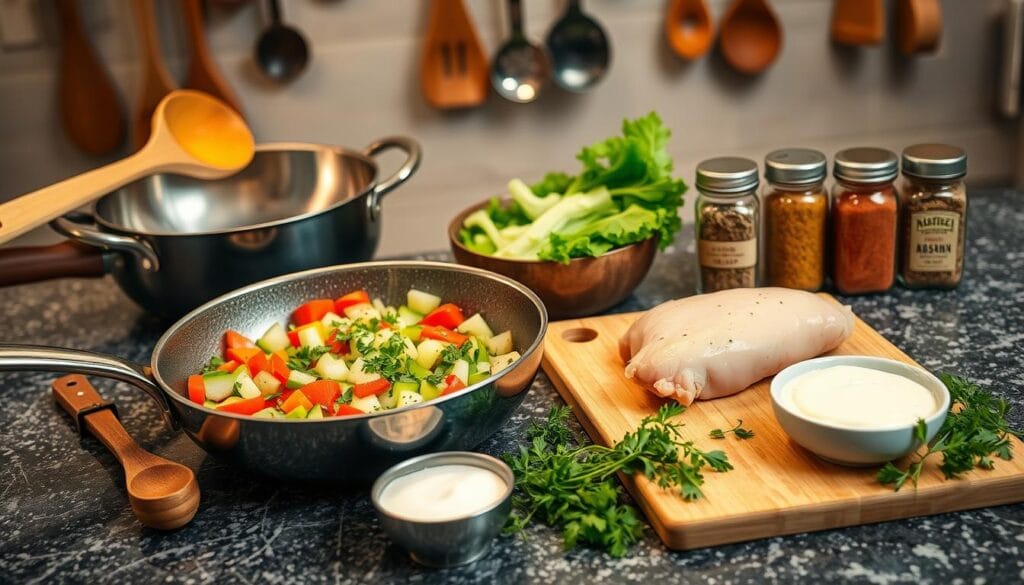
x=447 y=315
x=382 y=324
x=337 y=347
x=258 y=363
x=279 y=367
x=196 y=389
x=246 y=406
x=243 y=354
x=347 y=410
x=228 y=366
x=442 y=334
x=322 y=392
x=293 y=337
x=452 y=384
x=284 y=396
x=296 y=399
x=375 y=388
x=312 y=311
x=236 y=339
x=352 y=298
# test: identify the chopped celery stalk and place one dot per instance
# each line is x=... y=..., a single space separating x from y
x=407 y=317
x=406 y=386
x=429 y=351
x=413 y=332
x=274 y=339
x=499 y=344
x=297 y=412
x=267 y=383
x=218 y=385
x=500 y=362
x=245 y=386
x=269 y=412
x=310 y=337
x=461 y=370
x=428 y=391
x=422 y=302
x=481 y=219
x=362 y=311
x=526 y=246
x=416 y=369
x=407 y=398
x=357 y=375
x=531 y=205
x=331 y=368
x=368 y=404
x=297 y=379
x=477 y=327
x=316 y=412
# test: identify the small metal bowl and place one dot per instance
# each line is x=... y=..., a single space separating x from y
x=446 y=543
x=857 y=447
x=584 y=286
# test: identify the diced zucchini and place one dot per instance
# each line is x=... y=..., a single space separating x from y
x=297 y=379
x=500 y=362
x=218 y=385
x=428 y=391
x=379 y=305
x=316 y=412
x=407 y=317
x=422 y=302
x=310 y=337
x=388 y=399
x=267 y=383
x=333 y=320
x=429 y=350
x=416 y=369
x=362 y=311
x=478 y=377
x=476 y=350
x=274 y=339
x=413 y=332
x=477 y=327
x=482 y=367
x=499 y=344
x=367 y=405
x=407 y=398
x=245 y=386
x=406 y=386
x=297 y=412
x=410 y=348
x=269 y=412
x=357 y=375
x=331 y=368
x=461 y=370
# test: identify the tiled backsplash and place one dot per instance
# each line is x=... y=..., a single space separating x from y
x=363 y=83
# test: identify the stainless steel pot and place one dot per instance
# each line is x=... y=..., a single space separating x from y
x=352 y=449
x=173 y=242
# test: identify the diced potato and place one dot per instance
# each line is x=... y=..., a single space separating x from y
x=368 y=404
x=246 y=387
x=267 y=383
x=269 y=412
x=499 y=344
x=428 y=352
x=410 y=348
x=274 y=339
x=379 y=305
x=422 y=302
x=357 y=375
x=310 y=337
x=500 y=362
x=331 y=368
x=407 y=398
x=331 y=318
x=362 y=311
x=461 y=370
x=477 y=327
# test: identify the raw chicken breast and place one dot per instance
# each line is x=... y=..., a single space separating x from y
x=717 y=344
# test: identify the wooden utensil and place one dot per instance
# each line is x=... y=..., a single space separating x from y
x=163 y=494
x=453 y=67
x=203 y=73
x=776 y=486
x=156 y=82
x=193 y=134
x=918 y=25
x=688 y=28
x=858 y=22
x=751 y=37
x=89 y=105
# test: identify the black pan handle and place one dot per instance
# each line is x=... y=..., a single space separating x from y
x=413 y=154
x=35 y=263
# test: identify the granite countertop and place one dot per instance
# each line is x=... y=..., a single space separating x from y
x=65 y=516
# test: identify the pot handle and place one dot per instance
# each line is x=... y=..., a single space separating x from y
x=412 y=162
x=87 y=234
x=36 y=358
x=35 y=263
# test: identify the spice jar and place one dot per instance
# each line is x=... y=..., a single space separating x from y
x=933 y=216
x=864 y=214
x=795 y=208
x=727 y=223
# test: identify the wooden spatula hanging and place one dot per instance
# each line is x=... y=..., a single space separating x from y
x=156 y=81
x=203 y=73
x=453 y=67
x=918 y=25
x=858 y=22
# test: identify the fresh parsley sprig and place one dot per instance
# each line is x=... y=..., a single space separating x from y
x=975 y=429
x=738 y=430
x=305 y=357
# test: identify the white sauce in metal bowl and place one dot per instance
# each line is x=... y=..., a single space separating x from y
x=444 y=492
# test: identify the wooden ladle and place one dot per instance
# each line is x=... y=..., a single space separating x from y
x=156 y=81
x=751 y=37
x=858 y=22
x=203 y=73
x=688 y=28
x=918 y=25
x=163 y=494
x=193 y=134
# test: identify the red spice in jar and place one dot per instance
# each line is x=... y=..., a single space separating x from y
x=864 y=238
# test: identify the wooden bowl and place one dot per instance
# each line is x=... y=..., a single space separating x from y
x=584 y=286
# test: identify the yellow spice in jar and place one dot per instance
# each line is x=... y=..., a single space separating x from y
x=795 y=226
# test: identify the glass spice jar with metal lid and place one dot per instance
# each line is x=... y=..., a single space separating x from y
x=795 y=209
x=933 y=216
x=864 y=220
x=727 y=223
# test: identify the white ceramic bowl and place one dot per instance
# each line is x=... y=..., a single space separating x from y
x=856 y=446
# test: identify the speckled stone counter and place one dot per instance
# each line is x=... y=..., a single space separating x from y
x=64 y=516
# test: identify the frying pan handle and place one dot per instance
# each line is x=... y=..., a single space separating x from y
x=36 y=358
x=35 y=263
x=87 y=234
x=413 y=153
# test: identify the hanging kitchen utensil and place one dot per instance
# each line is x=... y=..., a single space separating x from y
x=688 y=28
x=281 y=51
x=163 y=494
x=918 y=25
x=203 y=73
x=579 y=50
x=193 y=134
x=156 y=81
x=520 y=68
x=858 y=22
x=453 y=67
x=89 y=105
x=1013 y=51
x=751 y=37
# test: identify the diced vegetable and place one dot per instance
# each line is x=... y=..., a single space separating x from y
x=347 y=410
x=407 y=398
x=279 y=367
x=316 y=412
x=245 y=387
x=228 y=366
x=352 y=298
x=296 y=400
x=243 y=406
x=196 y=389
x=422 y=302
x=447 y=315
x=499 y=344
x=299 y=412
x=416 y=369
x=461 y=370
x=452 y=384
x=362 y=311
x=312 y=311
x=500 y=362
x=267 y=383
x=357 y=375
x=297 y=379
x=407 y=317
x=274 y=339
x=322 y=392
x=388 y=399
x=413 y=332
x=331 y=368
x=374 y=388
x=329 y=320
x=367 y=404
x=268 y=412
x=218 y=385
x=242 y=354
x=477 y=327
x=477 y=377
x=442 y=334
x=311 y=336
x=428 y=391
x=406 y=386
x=233 y=339
x=429 y=351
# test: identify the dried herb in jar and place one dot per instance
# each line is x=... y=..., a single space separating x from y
x=727 y=247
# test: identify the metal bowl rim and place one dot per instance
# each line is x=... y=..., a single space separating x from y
x=197 y=313
x=267 y=147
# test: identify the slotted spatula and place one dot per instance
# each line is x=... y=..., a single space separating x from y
x=453 y=69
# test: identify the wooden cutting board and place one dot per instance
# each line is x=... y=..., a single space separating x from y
x=776 y=487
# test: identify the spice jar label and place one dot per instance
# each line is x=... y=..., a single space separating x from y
x=934 y=238
x=742 y=254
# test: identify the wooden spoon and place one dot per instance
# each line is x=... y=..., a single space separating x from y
x=688 y=28
x=156 y=81
x=193 y=134
x=203 y=73
x=858 y=22
x=89 y=104
x=454 y=72
x=918 y=25
x=751 y=37
x=163 y=494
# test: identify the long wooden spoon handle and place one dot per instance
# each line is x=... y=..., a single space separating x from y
x=76 y=395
